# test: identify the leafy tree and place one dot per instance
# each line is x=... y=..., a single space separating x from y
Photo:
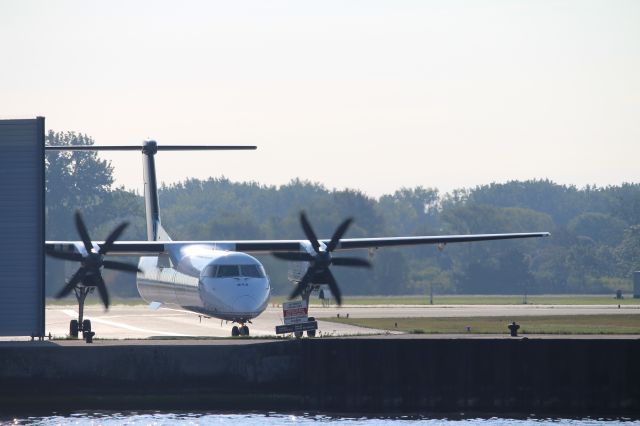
x=624 y=202
x=505 y=274
x=601 y=228
x=628 y=252
x=594 y=247
x=549 y=270
x=559 y=201
x=431 y=280
x=410 y=211
x=74 y=180
x=391 y=274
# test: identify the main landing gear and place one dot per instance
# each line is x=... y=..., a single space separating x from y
x=310 y=333
x=306 y=295
x=76 y=328
x=242 y=330
x=80 y=325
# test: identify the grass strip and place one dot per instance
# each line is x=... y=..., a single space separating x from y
x=479 y=300
x=552 y=324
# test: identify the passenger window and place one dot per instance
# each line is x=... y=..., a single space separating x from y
x=250 y=271
x=228 y=271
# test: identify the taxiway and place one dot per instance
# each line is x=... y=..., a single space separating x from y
x=140 y=322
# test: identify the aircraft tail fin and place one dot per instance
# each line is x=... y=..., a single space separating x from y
x=155 y=231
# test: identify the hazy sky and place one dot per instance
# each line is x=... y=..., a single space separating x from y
x=362 y=94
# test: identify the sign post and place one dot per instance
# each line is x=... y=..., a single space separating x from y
x=296 y=318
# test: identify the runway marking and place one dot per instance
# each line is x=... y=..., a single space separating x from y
x=74 y=314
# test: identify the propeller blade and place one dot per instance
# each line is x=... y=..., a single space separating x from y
x=351 y=261
x=302 y=285
x=102 y=289
x=120 y=266
x=113 y=237
x=74 y=257
x=321 y=260
x=293 y=256
x=84 y=234
x=75 y=279
x=308 y=231
x=333 y=285
x=338 y=234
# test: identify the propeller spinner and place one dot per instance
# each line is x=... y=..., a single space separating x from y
x=89 y=274
x=319 y=263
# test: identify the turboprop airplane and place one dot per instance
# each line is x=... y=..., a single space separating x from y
x=218 y=279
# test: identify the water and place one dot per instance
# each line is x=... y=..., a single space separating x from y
x=160 y=419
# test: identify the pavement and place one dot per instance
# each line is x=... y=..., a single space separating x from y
x=140 y=322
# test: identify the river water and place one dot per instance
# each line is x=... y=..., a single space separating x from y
x=160 y=418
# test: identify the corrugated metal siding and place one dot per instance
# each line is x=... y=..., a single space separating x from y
x=22 y=227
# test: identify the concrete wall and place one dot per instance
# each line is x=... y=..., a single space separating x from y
x=545 y=376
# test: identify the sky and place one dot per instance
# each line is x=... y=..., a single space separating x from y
x=371 y=95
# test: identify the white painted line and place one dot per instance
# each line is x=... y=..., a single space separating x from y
x=74 y=314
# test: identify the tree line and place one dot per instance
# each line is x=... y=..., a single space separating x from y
x=594 y=247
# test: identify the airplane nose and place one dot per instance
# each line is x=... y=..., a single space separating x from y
x=246 y=304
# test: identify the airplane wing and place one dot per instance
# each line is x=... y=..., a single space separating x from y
x=358 y=243
x=362 y=243
x=149 y=248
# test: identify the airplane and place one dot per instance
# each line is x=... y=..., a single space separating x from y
x=218 y=279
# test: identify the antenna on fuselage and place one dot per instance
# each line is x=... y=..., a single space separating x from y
x=150 y=148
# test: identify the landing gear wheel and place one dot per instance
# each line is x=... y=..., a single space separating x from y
x=311 y=333
x=244 y=330
x=235 y=332
x=73 y=328
x=86 y=326
x=298 y=334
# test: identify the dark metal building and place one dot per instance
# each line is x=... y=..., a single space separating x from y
x=22 y=227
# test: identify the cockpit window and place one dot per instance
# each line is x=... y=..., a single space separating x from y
x=228 y=271
x=251 y=271
x=210 y=271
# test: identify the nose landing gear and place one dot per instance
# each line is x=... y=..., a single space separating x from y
x=243 y=330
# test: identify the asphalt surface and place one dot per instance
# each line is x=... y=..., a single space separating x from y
x=140 y=322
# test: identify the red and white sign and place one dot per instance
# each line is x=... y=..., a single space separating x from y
x=295 y=312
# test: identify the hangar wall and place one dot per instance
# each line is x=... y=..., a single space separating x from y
x=22 y=227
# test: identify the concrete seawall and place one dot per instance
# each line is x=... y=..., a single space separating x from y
x=542 y=376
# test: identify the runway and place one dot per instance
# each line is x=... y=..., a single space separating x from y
x=140 y=322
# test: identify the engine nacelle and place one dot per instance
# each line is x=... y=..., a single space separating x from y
x=296 y=271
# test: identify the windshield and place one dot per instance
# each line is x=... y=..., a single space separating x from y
x=226 y=271
x=250 y=271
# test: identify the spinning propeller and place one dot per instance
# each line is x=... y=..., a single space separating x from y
x=318 y=271
x=89 y=274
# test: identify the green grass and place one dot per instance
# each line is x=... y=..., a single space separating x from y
x=552 y=324
x=480 y=300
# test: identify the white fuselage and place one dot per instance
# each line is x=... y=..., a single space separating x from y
x=222 y=284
